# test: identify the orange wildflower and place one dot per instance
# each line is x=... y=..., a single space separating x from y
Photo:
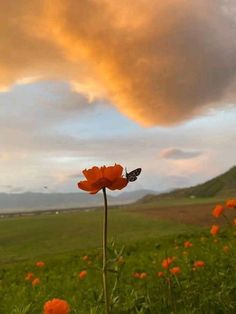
x=83 y=274
x=140 y=275
x=85 y=258
x=160 y=274
x=217 y=211
x=187 y=244
x=56 y=306
x=36 y=282
x=226 y=248
x=214 y=230
x=231 y=203
x=120 y=260
x=143 y=275
x=199 y=264
x=103 y=177
x=175 y=270
x=136 y=275
x=29 y=277
x=234 y=221
x=40 y=264
x=166 y=262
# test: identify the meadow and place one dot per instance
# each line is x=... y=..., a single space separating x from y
x=157 y=264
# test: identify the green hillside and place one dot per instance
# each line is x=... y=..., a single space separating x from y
x=222 y=186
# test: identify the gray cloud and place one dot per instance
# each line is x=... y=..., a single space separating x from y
x=176 y=153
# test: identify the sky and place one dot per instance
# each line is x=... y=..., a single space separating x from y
x=85 y=83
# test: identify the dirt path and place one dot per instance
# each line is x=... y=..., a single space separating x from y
x=198 y=214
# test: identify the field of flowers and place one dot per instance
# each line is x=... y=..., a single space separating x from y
x=182 y=273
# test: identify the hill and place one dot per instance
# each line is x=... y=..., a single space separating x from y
x=223 y=186
x=23 y=202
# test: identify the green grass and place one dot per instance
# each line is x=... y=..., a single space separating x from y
x=62 y=240
x=31 y=236
x=152 y=202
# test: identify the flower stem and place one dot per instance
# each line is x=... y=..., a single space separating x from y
x=104 y=268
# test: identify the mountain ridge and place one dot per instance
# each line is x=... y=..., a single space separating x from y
x=33 y=201
x=223 y=185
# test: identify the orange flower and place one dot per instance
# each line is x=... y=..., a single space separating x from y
x=120 y=260
x=175 y=270
x=136 y=275
x=40 y=264
x=29 y=277
x=217 y=211
x=166 y=262
x=234 y=221
x=143 y=275
x=103 y=177
x=187 y=244
x=36 y=282
x=140 y=275
x=214 y=230
x=83 y=274
x=231 y=203
x=85 y=258
x=56 y=306
x=160 y=274
x=199 y=264
x=226 y=248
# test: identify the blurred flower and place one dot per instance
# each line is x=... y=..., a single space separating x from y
x=187 y=244
x=40 y=264
x=140 y=275
x=120 y=260
x=199 y=264
x=136 y=275
x=226 y=248
x=56 y=306
x=214 y=230
x=103 y=177
x=85 y=258
x=160 y=274
x=234 y=221
x=175 y=270
x=166 y=262
x=36 y=282
x=29 y=277
x=83 y=274
x=217 y=211
x=143 y=275
x=231 y=203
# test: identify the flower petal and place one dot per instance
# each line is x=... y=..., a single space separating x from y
x=118 y=184
x=113 y=172
x=86 y=186
x=93 y=174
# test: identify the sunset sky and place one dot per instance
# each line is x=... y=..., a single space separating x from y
x=150 y=84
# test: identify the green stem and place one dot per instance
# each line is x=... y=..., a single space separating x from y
x=104 y=268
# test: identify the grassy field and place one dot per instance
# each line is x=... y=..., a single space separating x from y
x=140 y=239
x=36 y=236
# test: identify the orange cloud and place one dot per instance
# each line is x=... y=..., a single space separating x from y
x=159 y=62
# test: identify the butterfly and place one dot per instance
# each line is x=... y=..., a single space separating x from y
x=132 y=175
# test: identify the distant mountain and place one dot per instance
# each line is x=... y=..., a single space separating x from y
x=223 y=186
x=22 y=202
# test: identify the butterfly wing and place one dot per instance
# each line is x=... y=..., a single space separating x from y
x=132 y=178
x=132 y=175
